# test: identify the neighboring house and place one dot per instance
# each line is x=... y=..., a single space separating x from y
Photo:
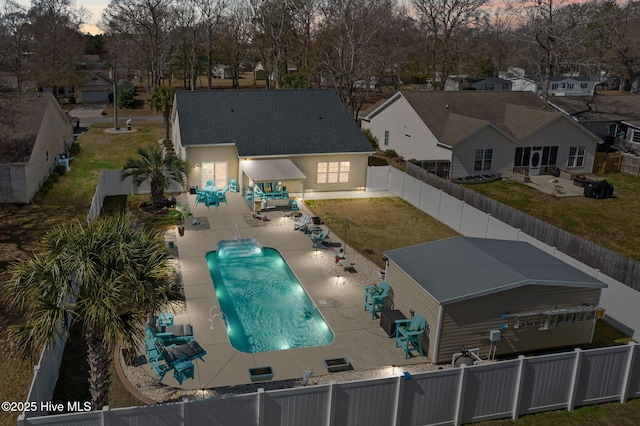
x=96 y=88
x=523 y=84
x=302 y=139
x=34 y=131
x=571 y=86
x=484 y=83
x=463 y=286
x=614 y=118
x=481 y=133
x=519 y=82
x=222 y=71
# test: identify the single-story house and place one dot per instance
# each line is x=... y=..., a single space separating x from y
x=471 y=290
x=478 y=83
x=34 y=131
x=96 y=88
x=607 y=116
x=481 y=132
x=302 y=139
x=571 y=86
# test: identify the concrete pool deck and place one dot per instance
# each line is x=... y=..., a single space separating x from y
x=358 y=338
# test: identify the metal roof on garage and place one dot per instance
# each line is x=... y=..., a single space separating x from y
x=272 y=170
x=462 y=268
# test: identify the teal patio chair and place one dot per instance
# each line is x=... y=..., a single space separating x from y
x=409 y=334
x=375 y=298
x=233 y=186
x=319 y=239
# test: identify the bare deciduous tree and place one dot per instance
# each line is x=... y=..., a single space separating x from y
x=350 y=35
x=441 y=19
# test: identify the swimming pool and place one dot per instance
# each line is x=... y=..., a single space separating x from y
x=263 y=303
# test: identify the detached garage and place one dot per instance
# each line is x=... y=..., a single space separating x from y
x=469 y=289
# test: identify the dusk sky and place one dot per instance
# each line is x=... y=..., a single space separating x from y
x=95 y=7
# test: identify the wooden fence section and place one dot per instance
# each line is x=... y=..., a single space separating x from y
x=630 y=164
x=610 y=263
x=607 y=162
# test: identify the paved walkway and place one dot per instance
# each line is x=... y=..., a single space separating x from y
x=358 y=338
x=556 y=186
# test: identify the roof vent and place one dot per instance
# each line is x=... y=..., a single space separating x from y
x=447 y=106
x=320 y=116
x=232 y=110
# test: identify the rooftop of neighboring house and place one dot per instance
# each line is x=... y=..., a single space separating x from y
x=454 y=115
x=21 y=115
x=600 y=107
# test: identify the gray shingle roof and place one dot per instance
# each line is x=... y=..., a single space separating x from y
x=269 y=122
x=600 y=107
x=462 y=268
x=21 y=116
x=454 y=115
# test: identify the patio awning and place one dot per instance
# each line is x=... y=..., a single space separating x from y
x=272 y=170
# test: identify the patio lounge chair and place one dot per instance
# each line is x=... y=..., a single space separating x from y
x=374 y=298
x=303 y=222
x=177 y=358
x=317 y=241
x=409 y=334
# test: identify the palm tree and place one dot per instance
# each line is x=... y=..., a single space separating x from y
x=160 y=168
x=104 y=275
x=161 y=99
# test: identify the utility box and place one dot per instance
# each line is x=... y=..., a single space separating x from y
x=495 y=335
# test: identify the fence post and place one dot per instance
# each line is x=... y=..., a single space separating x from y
x=331 y=407
x=260 y=407
x=105 y=415
x=574 y=380
x=398 y=399
x=460 y=400
x=185 y=411
x=624 y=391
x=517 y=398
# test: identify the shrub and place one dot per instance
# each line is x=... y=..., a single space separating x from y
x=60 y=170
x=126 y=96
x=372 y=139
x=391 y=153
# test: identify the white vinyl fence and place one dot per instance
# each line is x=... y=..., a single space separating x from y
x=507 y=389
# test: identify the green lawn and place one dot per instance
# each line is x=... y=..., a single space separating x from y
x=613 y=223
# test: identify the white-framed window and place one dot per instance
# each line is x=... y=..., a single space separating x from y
x=554 y=86
x=576 y=156
x=483 y=159
x=569 y=85
x=583 y=85
x=386 y=137
x=333 y=171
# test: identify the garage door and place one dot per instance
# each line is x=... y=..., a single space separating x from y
x=89 y=96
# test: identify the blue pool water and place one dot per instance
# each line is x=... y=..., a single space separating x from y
x=264 y=305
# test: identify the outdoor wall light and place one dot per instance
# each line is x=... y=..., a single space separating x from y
x=197 y=165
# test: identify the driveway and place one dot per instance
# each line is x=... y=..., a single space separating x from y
x=88 y=110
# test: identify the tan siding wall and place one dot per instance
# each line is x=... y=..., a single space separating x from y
x=565 y=134
x=212 y=154
x=464 y=154
x=408 y=296
x=357 y=176
x=468 y=323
